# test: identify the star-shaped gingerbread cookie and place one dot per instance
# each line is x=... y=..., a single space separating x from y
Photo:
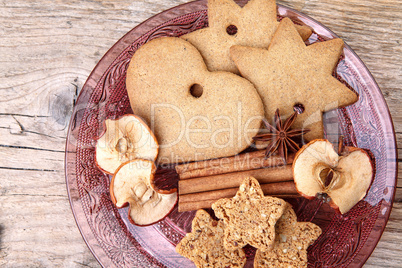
x=249 y=216
x=204 y=245
x=290 y=74
x=229 y=24
x=291 y=243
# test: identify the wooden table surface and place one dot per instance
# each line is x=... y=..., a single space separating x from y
x=47 y=50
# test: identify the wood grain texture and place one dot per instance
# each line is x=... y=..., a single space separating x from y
x=48 y=49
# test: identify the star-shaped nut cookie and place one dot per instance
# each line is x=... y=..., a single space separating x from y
x=290 y=74
x=204 y=245
x=249 y=216
x=229 y=24
x=291 y=243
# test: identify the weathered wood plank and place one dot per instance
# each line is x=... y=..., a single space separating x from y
x=36 y=226
x=387 y=253
x=32 y=132
x=31 y=159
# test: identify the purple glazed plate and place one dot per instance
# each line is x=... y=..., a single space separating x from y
x=347 y=240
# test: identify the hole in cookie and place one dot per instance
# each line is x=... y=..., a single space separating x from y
x=298 y=108
x=231 y=30
x=196 y=90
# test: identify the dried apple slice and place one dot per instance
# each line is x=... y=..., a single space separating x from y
x=131 y=185
x=125 y=139
x=318 y=169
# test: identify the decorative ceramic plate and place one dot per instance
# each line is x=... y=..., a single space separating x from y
x=347 y=240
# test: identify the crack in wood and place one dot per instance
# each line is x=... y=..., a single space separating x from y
x=30 y=169
x=25 y=115
x=76 y=91
x=46 y=135
x=30 y=148
x=41 y=195
x=83 y=264
x=34 y=132
x=1 y=236
x=19 y=124
x=23 y=130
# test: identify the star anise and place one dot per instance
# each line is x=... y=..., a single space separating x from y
x=280 y=136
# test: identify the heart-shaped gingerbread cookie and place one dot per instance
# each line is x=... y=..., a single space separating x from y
x=195 y=114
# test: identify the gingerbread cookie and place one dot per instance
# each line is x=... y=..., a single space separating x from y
x=195 y=114
x=291 y=243
x=204 y=245
x=291 y=75
x=229 y=24
x=249 y=216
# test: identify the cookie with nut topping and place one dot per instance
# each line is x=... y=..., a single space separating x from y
x=249 y=217
x=291 y=242
x=204 y=245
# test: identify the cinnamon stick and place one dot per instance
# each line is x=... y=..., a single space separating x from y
x=341 y=147
x=219 y=161
x=195 y=205
x=234 y=179
x=235 y=166
x=205 y=199
x=281 y=188
x=210 y=195
x=189 y=206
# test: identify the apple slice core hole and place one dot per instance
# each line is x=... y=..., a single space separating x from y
x=122 y=145
x=326 y=175
x=196 y=90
